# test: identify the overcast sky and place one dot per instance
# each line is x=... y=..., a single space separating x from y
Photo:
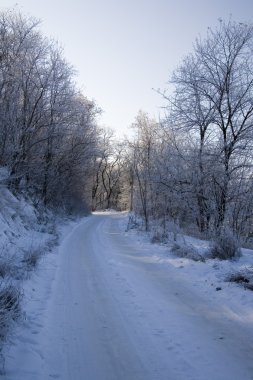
x=124 y=48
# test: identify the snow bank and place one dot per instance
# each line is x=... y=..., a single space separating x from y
x=212 y=277
x=24 y=238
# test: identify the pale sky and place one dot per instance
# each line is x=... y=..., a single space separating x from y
x=124 y=48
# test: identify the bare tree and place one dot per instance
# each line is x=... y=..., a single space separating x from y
x=108 y=171
x=213 y=102
x=48 y=129
x=142 y=155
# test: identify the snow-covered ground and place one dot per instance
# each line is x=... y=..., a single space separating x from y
x=109 y=305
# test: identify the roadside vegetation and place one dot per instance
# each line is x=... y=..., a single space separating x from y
x=192 y=170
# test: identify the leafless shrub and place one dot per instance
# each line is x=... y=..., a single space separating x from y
x=163 y=231
x=187 y=251
x=132 y=222
x=10 y=309
x=52 y=243
x=6 y=268
x=225 y=246
x=8 y=265
x=32 y=257
x=159 y=235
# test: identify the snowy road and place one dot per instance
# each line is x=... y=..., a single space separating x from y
x=116 y=314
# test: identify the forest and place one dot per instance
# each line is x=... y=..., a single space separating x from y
x=191 y=169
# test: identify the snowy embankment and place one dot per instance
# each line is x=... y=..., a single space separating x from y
x=111 y=306
x=25 y=237
x=212 y=278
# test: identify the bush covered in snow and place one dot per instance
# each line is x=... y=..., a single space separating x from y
x=225 y=246
x=159 y=235
x=133 y=222
x=163 y=231
x=187 y=251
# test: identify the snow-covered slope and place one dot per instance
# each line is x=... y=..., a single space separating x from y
x=25 y=236
x=20 y=230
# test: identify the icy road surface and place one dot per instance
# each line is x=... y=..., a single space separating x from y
x=116 y=314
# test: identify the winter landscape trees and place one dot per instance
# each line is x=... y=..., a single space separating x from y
x=48 y=141
x=108 y=172
x=48 y=128
x=193 y=167
x=200 y=168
